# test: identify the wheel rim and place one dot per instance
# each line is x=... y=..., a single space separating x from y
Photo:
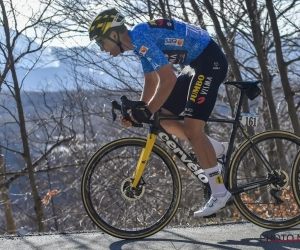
x=130 y=220
x=259 y=205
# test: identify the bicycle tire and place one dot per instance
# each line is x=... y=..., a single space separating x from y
x=109 y=225
x=251 y=203
x=296 y=181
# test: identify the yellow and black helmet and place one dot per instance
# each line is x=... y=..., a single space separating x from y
x=104 y=21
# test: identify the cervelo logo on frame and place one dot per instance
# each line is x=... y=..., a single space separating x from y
x=195 y=168
x=143 y=50
x=174 y=41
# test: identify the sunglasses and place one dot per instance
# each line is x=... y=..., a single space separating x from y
x=99 y=43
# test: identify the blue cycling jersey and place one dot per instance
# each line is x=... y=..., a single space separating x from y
x=158 y=42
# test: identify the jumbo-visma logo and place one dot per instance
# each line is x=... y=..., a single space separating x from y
x=196 y=89
x=174 y=42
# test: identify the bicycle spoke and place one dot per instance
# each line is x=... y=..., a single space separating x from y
x=158 y=198
x=108 y=206
x=126 y=209
x=112 y=159
x=272 y=205
x=147 y=210
x=117 y=220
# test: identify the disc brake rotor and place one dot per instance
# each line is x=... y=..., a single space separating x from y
x=285 y=181
x=130 y=193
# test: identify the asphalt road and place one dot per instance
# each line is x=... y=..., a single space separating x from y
x=230 y=236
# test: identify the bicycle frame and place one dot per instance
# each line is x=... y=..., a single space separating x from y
x=194 y=167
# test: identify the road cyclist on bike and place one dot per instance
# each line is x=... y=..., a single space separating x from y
x=192 y=94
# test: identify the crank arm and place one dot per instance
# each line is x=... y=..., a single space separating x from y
x=277 y=199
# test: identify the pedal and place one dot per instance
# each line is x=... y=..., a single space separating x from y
x=277 y=199
x=210 y=216
x=229 y=203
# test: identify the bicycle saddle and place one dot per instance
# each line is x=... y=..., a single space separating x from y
x=244 y=85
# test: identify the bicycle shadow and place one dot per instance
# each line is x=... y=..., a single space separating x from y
x=180 y=241
x=168 y=243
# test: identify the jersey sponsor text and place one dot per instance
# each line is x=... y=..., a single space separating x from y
x=197 y=88
x=174 y=42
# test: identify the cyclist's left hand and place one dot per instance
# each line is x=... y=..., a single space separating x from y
x=125 y=122
x=140 y=113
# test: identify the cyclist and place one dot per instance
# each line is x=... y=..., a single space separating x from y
x=192 y=94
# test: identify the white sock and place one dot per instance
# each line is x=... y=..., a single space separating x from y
x=218 y=146
x=215 y=181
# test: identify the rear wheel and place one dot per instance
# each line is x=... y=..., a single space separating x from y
x=296 y=181
x=273 y=206
x=117 y=208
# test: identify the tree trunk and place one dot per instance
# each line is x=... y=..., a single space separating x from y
x=198 y=14
x=149 y=9
x=263 y=62
x=282 y=67
x=10 y=224
x=163 y=9
x=38 y=208
x=229 y=53
x=183 y=7
x=26 y=154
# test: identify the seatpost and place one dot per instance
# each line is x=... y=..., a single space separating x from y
x=239 y=107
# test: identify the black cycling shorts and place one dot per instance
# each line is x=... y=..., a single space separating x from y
x=195 y=92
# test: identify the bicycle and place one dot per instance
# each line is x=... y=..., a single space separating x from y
x=127 y=182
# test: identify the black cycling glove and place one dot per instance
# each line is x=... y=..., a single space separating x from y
x=140 y=112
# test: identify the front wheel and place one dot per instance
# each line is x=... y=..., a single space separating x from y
x=117 y=208
x=272 y=206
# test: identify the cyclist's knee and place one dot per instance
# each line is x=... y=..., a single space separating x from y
x=191 y=134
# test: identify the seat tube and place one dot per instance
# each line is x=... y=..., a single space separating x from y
x=239 y=106
x=146 y=151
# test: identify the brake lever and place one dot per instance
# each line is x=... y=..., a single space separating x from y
x=114 y=105
x=114 y=116
x=123 y=108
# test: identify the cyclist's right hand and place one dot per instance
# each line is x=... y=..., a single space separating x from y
x=125 y=122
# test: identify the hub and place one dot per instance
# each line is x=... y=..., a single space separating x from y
x=130 y=193
x=284 y=181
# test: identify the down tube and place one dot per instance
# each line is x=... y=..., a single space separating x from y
x=186 y=159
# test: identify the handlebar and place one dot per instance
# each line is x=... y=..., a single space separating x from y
x=125 y=105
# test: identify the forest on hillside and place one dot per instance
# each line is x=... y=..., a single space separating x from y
x=48 y=136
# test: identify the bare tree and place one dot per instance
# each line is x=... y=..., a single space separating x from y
x=45 y=25
x=149 y=9
x=21 y=118
x=254 y=16
x=10 y=224
x=282 y=66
